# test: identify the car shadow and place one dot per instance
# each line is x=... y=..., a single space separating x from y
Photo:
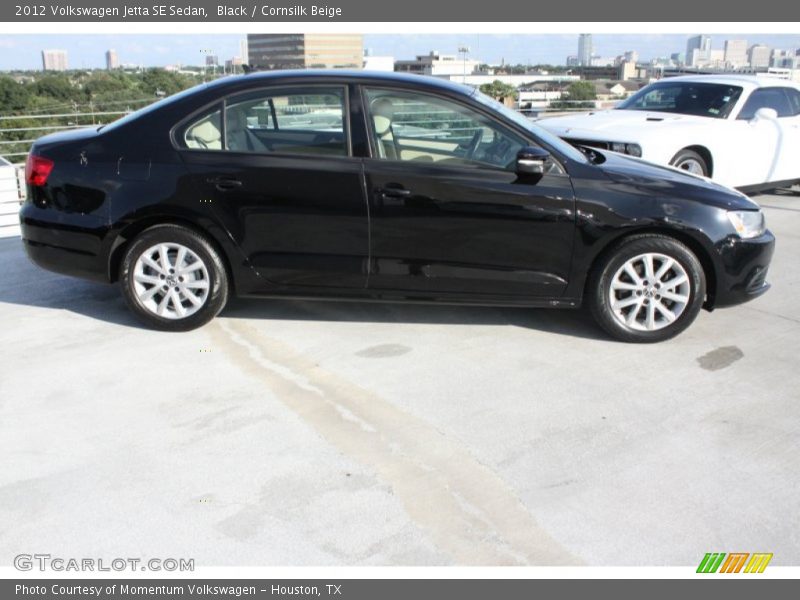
x=25 y=284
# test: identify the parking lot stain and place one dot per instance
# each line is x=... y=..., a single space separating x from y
x=468 y=511
x=384 y=351
x=720 y=358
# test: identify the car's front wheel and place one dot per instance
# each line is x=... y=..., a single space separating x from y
x=689 y=160
x=647 y=288
x=173 y=279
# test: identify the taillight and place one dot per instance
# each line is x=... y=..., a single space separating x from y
x=37 y=170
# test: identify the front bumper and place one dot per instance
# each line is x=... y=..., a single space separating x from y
x=743 y=269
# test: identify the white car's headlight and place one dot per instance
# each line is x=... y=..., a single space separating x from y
x=633 y=149
x=747 y=223
x=623 y=148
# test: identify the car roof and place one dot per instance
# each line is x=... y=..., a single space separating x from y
x=748 y=81
x=350 y=76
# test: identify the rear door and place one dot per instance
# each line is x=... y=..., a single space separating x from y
x=277 y=167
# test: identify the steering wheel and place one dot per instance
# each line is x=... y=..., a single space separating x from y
x=473 y=143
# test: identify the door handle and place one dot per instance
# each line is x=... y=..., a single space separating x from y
x=394 y=192
x=225 y=183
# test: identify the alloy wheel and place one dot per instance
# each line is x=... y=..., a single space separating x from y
x=649 y=292
x=171 y=281
x=692 y=165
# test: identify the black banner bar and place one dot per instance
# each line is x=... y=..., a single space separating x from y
x=406 y=11
x=704 y=587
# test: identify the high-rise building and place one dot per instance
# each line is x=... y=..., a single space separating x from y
x=305 y=50
x=585 y=49
x=112 y=60
x=212 y=60
x=232 y=65
x=736 y=53
x=698 y=50
x=631 y=56
x=54 y=60
x=758 y=56
x=243 y=50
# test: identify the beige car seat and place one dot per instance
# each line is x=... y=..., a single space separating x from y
x=204 y=135
x=382 y=114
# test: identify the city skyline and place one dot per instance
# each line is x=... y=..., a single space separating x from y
x=23 y=52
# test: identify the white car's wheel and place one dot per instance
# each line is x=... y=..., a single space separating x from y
x=689 y=160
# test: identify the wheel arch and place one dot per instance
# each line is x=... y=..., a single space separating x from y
x=131 y=231
x=702 y=253
x=703 y=151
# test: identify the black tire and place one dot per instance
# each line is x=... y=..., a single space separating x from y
x=214 y=277
x=599 y=292
x=686 y=157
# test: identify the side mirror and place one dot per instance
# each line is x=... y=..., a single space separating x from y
x=530 y=160
x=765 y=114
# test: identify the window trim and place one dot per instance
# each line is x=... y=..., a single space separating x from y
x=476 y=107
x=224 y=100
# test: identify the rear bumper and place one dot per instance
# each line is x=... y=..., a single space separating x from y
x=65 y=243
x=744 y=266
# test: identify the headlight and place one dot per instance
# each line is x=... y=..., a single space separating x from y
x=633 y=149
x=747 y=223
x=618 y=147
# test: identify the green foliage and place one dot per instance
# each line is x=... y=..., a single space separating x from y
x=581 y=90
x=76 y=98
x=13 y=95
x=499 y=90
x=37 y=92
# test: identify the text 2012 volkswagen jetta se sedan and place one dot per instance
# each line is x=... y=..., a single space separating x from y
x=379 y=186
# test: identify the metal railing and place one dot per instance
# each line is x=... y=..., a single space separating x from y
x=19 y=131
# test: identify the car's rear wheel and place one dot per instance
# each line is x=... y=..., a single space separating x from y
x=173 y=279
x=689 y=160
x=648 y=288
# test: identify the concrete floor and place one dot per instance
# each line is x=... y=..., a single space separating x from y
x=295 y=433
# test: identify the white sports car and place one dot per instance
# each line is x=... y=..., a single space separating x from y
x=742 y=131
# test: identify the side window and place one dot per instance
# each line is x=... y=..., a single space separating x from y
x=774 y=98
x=424 y=128
x=296 y=121
x=794 y=100
x=205 y=133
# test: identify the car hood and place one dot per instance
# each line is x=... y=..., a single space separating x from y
x=659 y=179
x=613 y=123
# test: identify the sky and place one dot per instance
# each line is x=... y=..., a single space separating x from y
x=88 y=50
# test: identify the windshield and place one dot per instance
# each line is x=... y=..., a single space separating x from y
x=518 y=118
x=713 y=100
x=150 y=108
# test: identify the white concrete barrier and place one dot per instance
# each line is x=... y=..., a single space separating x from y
x=9 y=199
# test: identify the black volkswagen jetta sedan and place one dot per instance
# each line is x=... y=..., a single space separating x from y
x=358 y=185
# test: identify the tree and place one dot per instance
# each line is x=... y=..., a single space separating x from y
x=13 y=96
x=57 y=87
x=499 y=90
x=581 y=90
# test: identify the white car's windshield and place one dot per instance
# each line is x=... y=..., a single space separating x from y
x=547 y=137
x=714 y=100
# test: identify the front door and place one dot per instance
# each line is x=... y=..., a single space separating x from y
x=448 y=213
x=281 y=176
x=772 y=145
